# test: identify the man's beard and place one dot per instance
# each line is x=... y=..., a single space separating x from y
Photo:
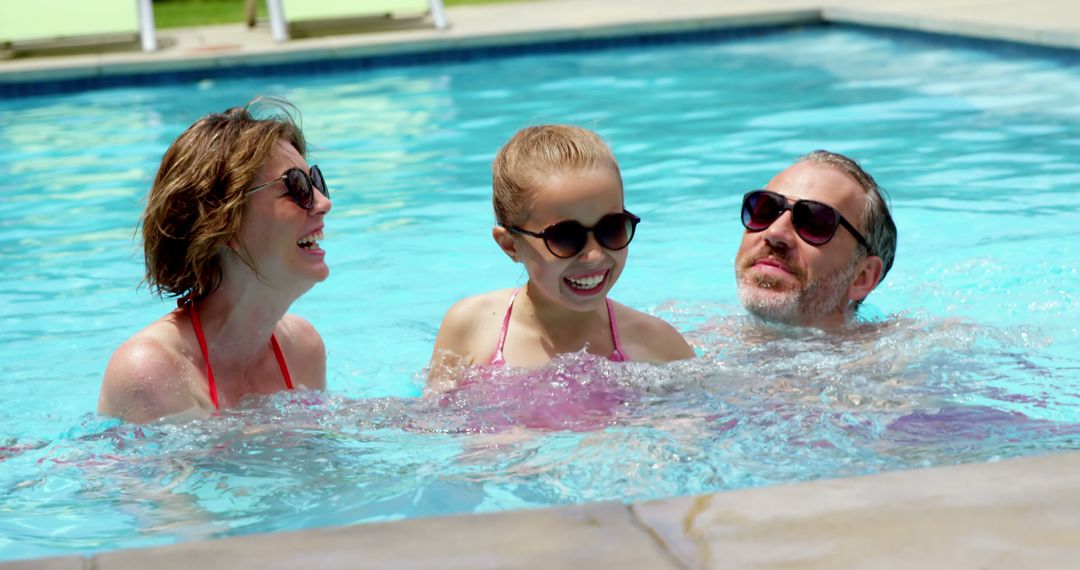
x=808 y=304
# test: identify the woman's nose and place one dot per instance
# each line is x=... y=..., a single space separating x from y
x=321 y=204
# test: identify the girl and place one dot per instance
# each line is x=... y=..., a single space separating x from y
x=558 y=200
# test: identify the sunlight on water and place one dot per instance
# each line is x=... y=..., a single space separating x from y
x=968 y=352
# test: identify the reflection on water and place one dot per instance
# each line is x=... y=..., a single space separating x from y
x=760 y=406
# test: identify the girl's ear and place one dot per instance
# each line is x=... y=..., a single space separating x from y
x=506 y=242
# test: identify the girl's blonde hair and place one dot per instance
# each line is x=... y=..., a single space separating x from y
x=534 y=155
x=196 y=203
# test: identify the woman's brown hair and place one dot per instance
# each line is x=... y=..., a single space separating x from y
x=197 y=201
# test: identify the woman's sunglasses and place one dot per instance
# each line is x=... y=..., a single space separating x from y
x=567 y=239
x=300 y=186
x=814 y=222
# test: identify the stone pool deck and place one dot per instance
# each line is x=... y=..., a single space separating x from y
x=1053 y=23
x=1020 y=513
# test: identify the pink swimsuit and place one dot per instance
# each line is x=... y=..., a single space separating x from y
x=498 y=360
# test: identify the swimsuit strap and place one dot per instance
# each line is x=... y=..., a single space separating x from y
x=497 y=358
x=617 y=355
x=281 y=361
x=197 y=325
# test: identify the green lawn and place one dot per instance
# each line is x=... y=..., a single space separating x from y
x=181 y=13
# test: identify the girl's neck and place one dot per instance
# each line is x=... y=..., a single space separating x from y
x=554 y=318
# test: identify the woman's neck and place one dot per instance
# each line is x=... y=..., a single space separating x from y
x=240 y=317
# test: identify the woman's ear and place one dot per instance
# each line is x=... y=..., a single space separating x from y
x=506 y=242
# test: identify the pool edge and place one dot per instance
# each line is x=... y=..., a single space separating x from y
x=1015 y=513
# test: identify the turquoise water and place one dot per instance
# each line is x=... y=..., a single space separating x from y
x=972 y=352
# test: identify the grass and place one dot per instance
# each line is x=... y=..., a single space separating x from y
x=184 y=13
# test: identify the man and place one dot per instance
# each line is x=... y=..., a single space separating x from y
x=818 y=240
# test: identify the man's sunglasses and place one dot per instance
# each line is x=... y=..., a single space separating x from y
x=814 y=222
x=300 y=186
x=567 y=239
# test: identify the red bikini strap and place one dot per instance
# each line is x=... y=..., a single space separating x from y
x=281 y=361
x=197 y=325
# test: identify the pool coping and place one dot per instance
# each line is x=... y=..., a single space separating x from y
x=1017 y=513
x=253 y=55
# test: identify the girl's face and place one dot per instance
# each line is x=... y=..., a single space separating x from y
x=282 y=237
x=580 y=282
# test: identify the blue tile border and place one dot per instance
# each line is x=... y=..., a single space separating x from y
x=434 y=54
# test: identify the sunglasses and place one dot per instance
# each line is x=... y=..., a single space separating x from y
x=301 y=187
x=567 y=239
x=814 y=222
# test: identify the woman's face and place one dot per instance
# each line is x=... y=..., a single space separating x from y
x=282 y=237
x=580 y=282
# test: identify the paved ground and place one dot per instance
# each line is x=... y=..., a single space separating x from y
x=1016 y=514
x=1043 y=22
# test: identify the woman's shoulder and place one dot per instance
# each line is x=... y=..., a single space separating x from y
x=304 y=350
x=650 y=336
x=147 y=377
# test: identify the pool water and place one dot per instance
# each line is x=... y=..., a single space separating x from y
x=970 y=350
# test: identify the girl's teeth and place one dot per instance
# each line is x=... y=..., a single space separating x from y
x=586 y=282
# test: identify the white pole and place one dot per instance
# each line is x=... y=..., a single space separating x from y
x=278 y=28
x=147 y=33
x=438 y=13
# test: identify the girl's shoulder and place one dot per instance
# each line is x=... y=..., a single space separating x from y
x=481 y=306
x=649 y=338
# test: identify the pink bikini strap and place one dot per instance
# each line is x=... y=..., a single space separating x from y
x=618 y=355
x=497 y=358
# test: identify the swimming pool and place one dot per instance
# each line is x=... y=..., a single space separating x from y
x=978 y=151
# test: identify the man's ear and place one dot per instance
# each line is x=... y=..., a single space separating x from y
x=506 y=242
x=867 y=276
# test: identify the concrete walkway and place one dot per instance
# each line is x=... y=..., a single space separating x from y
x=1040 y=22
x=1022 y=513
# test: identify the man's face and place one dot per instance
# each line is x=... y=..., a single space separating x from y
x=785 y=280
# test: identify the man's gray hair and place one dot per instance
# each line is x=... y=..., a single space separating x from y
x=880 y=229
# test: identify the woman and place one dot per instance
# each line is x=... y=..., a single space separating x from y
x=231 y=229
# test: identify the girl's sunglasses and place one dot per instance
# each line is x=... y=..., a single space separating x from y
x=300 y=186
x=814 y=222
x=567 y=239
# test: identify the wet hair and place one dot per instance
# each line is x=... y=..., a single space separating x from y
x=534 y=155
x=197 y=201
x=880 y=229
